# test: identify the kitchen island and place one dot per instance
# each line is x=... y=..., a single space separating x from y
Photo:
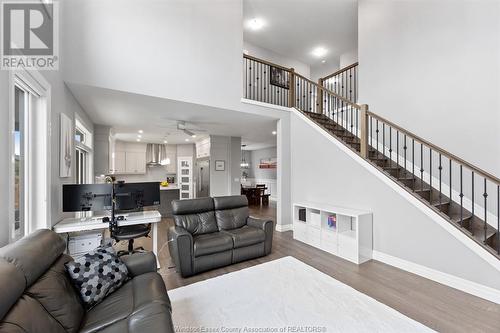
x=167 y=194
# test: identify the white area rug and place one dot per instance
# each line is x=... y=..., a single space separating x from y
x=283 y=295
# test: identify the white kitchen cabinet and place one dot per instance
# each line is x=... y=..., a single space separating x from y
x=128 y=158
x=135 y=162
x=172 y=155
x=118 y=162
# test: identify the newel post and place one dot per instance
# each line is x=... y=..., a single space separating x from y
x=363 y=117
x=291 y=91
x=319 y=98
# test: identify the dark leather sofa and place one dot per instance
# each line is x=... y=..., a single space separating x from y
x=216 y=232
x=36 y=294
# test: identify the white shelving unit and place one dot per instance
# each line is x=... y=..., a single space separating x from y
x=344 y=232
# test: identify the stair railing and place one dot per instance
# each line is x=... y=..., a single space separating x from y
x=343 y=82
x=371 y=136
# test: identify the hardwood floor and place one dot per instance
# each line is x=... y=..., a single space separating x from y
x=439 y=307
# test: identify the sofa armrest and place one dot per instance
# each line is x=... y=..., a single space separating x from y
x=180 y=245
x=267 y=226
x=140 y=263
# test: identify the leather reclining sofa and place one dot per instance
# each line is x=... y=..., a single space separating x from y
x=36 y=294
x=216 y=232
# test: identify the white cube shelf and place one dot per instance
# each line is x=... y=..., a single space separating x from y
x=344 y=232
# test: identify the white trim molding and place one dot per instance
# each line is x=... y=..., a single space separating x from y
x=464 y=285
x=284 y=227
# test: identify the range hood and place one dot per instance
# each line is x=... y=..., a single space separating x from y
x=156 y=155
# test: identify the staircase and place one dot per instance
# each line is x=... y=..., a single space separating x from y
x=461 y=193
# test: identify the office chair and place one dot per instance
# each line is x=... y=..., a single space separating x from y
x=130 y=233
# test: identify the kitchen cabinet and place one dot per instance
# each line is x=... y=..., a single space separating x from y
x=172 y=155
x=119 y=162
x=135 y=162
x=128 y=158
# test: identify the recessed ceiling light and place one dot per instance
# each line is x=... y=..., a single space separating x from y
x=139 y=136
x=255 y=23
x=165 y=141
x=186 y=140
x=274 y=132
x=193 y=136
x=138 y=140
x=323 y=61
x=319 y=51
x=140 y=131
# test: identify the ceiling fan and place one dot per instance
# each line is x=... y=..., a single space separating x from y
x=187 y=128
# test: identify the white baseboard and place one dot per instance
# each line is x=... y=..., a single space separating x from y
x=467 y=286
x=284 y=227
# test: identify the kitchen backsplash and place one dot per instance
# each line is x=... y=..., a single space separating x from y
x=153 y=174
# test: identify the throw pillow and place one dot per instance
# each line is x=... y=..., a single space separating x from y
x=97 y=274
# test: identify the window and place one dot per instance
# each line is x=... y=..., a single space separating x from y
x=29 y=172
x=83 y=144
x=20 y=113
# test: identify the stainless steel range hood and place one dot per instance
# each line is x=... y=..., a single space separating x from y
x=156 y=154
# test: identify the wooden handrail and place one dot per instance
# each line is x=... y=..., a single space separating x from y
x=294 y=76
x=267 y=62
x=357 y=106
x=436 y=148
x=340 y=71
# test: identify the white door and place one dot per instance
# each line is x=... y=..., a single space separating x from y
x=185 y=177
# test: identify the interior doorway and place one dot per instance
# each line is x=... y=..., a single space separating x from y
x=203 y=172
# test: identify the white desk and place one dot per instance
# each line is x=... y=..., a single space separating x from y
x=95 y=223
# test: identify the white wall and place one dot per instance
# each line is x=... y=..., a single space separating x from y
x=400 y=228
x=254 y=160
x=348 y=58
x=228 y=149
x=322 y=70
x=433 y=67
x=276 y=58
x=184 y=50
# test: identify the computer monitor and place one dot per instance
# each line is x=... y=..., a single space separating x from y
x=87 y=197
x=129 y=196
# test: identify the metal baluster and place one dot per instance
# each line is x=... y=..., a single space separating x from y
x=450 y=184
x=383 y=141
x=471 y=221
x=485 y=195
x=413 y=164
x=430 y=175
x=350 y=84
x=390 y=144
x=405 y=148
x=397 y=148
x=440 y=173
x=371 y=131
x=352 y=121
x=461 y=198
x=421 y=167
x=377 y=130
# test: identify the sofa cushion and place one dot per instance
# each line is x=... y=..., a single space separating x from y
x=246 y=236
x=211 y=243
x=196 y=216
x=29 y=316
x=97 y=274
x=139 y=303
x=231 y=212
x=56 y=294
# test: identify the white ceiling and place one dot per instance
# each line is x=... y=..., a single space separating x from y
x=157 y=117
x=293 y=28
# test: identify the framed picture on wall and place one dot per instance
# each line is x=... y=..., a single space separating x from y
x=220 y=165
x=279 y=77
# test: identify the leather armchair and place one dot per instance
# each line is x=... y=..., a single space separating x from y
x=216 y=232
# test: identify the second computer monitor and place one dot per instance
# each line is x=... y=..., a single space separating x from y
x=131 y=196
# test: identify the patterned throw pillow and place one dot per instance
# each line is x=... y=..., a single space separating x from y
x=97 y=274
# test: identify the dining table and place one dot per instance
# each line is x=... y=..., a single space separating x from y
x=253 y=194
